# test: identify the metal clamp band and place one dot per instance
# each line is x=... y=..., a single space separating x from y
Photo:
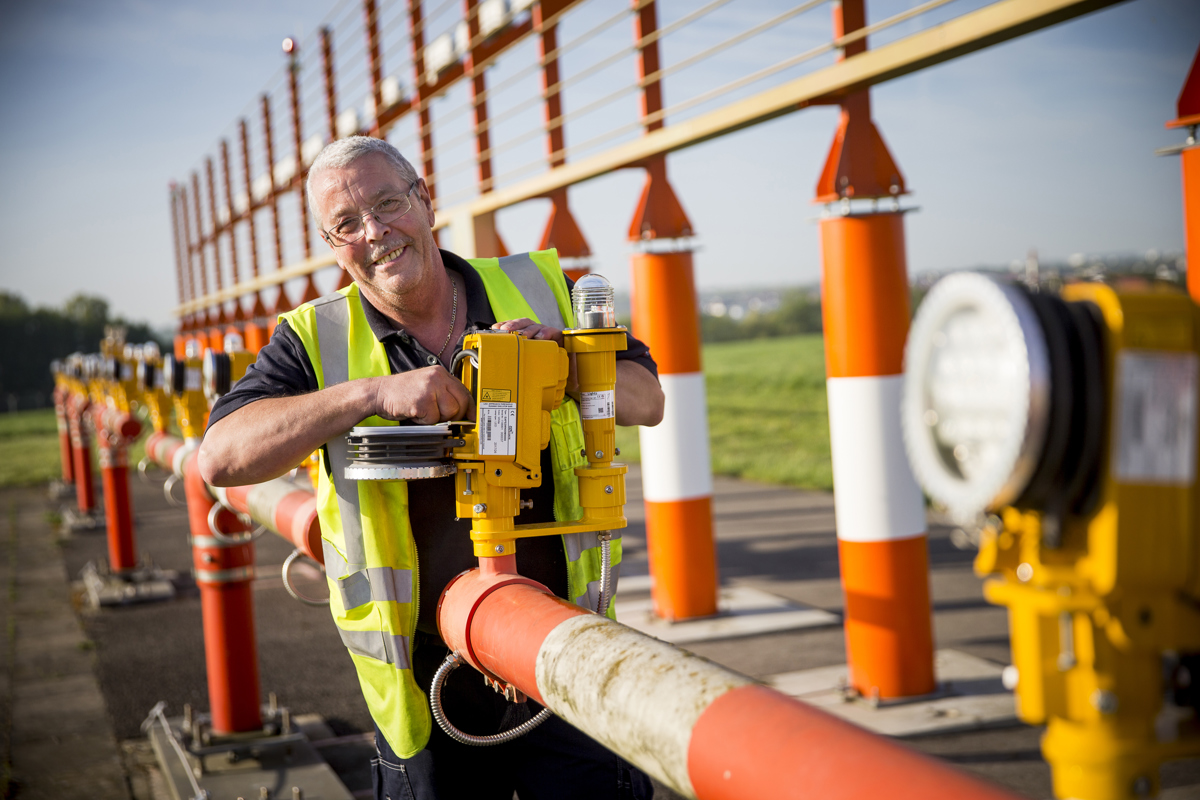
x=241 y=538
x=168 y=486
x=287 y=581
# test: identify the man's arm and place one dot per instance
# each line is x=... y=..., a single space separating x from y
x=268 y=437
x=639 y=398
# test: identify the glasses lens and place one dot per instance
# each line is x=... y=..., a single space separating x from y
x=350 y=230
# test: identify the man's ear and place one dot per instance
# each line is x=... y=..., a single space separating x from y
x=423 y=193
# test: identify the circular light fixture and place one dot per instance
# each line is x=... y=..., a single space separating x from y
x=977 y=393
x=289 y=45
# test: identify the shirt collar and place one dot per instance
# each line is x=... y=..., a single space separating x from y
x=479 y=310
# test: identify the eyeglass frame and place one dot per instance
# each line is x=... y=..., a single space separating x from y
x=328 y=237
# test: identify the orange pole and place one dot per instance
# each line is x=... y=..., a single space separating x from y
x=562 y=232
x=224 y=574
x=1187 y=115
x=256 y=328
x=62 y=397
x=282 y=303
x=880 y=510
x=115 y=430
x=676 y=467
x=676 y=471
x=85 y=492
x=698 y=728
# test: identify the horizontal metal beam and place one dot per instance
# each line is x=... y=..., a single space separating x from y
x=993 y=24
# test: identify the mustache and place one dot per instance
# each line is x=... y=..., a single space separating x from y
x=383 y=249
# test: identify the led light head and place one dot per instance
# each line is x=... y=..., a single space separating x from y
x=592 y=301
x=191 y=350
x=234 y=343
x=216 y=375
x=976 y=393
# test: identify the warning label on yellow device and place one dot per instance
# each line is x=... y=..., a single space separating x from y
x=495 y=395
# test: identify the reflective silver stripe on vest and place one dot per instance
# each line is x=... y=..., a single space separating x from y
x=335 y=565
x=378 y=645
x=375 y=583
x=357 y=584
x=591 y=600
x=575 y=544
x=333 y=339
x=531 y=283
x=578 y=542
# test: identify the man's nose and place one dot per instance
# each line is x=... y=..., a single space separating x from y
x=373 y=229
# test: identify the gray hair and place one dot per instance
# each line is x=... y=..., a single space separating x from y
x=343 y=152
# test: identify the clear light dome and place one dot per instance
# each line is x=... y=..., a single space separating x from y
x=592 y=301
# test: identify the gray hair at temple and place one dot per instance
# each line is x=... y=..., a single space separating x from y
x=342 y=152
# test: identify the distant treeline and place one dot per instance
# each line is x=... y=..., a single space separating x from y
x=33 y=337
x=799 y=311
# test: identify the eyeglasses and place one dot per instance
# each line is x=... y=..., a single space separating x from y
x=351 y=229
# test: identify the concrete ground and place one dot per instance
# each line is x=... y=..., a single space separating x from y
x=78 y=683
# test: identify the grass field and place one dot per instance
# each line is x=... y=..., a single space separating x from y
x=29 y=449
x=766 y=414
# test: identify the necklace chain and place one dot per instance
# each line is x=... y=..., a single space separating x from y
x=453 y=319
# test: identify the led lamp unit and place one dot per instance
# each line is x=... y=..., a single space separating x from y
x=592 y=300
x=1003 y=399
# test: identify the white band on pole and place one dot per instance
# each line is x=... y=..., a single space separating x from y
x=675 y=459
x=875 y=496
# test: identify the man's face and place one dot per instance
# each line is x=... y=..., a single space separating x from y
x=391 y=258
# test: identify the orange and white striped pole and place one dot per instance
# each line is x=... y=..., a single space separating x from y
x=700 y=729
x=676 y=468
x=880 y=510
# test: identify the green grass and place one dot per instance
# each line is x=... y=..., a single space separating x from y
x=767 y=413
x=29 y=448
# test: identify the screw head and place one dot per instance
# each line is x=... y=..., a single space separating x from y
x=608 y=490
x=599 y=454
x=500 y=549
x=479 y=508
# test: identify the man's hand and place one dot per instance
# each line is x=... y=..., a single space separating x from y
x=531 y=330
x=639 y=398
x=425 y=396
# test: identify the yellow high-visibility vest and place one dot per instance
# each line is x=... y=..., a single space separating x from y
x=371 y=562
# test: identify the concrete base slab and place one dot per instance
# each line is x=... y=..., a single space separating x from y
x=57 y=490
x=143 y=585
x=74 y=520
x=743 y=611
x=970 y=696
x=267 y=769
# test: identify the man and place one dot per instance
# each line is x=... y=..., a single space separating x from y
x=378 y=351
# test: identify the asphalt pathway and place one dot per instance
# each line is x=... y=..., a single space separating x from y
x=78 y=683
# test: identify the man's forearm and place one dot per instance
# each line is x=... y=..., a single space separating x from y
x=268 y=437
x=639 y=398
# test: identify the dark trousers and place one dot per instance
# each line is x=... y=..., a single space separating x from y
x=554 y=760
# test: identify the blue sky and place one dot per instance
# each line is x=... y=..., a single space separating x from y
x=1045 y=142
